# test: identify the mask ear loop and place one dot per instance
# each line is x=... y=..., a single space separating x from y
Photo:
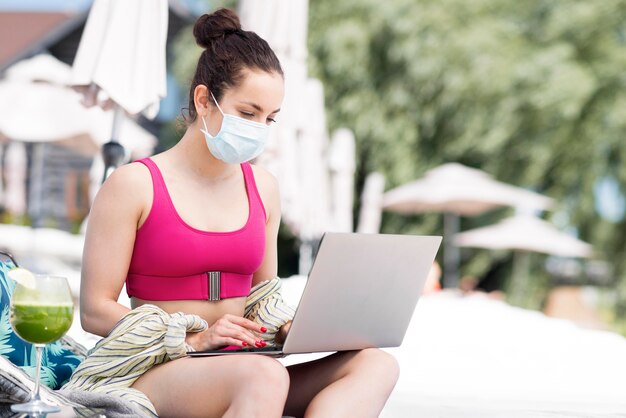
x=217 y=104
x=204 y=123
x=218 y=107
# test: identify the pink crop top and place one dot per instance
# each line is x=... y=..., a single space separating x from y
x=174 y=261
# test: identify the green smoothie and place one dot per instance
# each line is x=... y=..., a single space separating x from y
x=41 y=323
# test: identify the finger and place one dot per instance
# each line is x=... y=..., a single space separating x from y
x=246 y=323
x=222 y=336
x=234 y=342
x=241 y=340
x=233 y=330
x=247 y=337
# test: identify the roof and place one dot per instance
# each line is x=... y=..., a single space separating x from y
x=28 y=33
x=25 y=34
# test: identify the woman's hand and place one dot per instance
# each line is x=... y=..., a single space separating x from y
x=229 y=330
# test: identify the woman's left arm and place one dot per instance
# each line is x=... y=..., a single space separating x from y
x=268 y=189
x=270 y=196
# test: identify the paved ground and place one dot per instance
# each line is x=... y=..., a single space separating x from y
x=476 y=357
x=444 y=411
x=473 y=357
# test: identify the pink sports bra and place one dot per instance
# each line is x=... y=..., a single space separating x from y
x=174 y=261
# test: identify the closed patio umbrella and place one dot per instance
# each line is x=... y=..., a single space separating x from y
x=342 y=166
x=1 y=173
x=283 y=24
x=15 y=177
x=456 y=190
x=370 y=213
x=121 y=62
x=298 y=148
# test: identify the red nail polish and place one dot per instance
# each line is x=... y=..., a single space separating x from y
x=263 y=343
x=263 y=329
x=243 y=343
x=259 y=344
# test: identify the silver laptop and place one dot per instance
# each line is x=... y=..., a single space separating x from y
x=361 y=292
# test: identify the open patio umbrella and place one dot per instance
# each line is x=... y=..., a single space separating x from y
x=41 y=67
x=457 y=190
x=524 y=234
x=37 y=107
x=42 y=112
x=121 y=62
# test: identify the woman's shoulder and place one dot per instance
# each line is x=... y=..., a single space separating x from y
x=131 y=176
x=123 y=198
x=265 y=181
x=267 y=185
x=129 y=183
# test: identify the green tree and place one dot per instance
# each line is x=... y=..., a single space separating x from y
x=532 y=92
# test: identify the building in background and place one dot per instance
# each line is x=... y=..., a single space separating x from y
x=61 y=198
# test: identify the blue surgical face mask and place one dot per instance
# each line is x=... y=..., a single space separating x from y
x=239 y=140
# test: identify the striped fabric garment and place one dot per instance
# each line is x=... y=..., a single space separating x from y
x=16 y=387
x=265 y=306
x=148 y=336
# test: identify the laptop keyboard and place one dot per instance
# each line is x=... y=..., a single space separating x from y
x=268 y=349
x=257 y=349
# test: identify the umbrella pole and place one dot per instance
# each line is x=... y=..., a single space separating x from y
x=520 y=277
x=2 y=177
x=113 y=152
x=36 y=185
x=451 y=253
x=117 y=121
x=306 y=257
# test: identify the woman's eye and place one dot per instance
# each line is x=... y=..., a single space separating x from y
x=247 y=114
x=271 y=120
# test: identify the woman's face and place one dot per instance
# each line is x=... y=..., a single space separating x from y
x=258 y=98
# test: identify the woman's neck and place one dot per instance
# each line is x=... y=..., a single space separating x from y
x=192 y=155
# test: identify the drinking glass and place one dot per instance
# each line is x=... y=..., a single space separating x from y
x=41 y=314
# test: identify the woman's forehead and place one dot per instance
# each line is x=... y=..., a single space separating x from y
x=260 y=88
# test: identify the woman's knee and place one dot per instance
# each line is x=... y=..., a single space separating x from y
x=378 y=362
x=266 y=373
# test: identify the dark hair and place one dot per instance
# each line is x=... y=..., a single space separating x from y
x=228 y=50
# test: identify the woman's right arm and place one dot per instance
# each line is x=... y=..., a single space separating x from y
x=111 y=229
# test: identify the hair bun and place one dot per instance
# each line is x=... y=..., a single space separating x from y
x=209 y=28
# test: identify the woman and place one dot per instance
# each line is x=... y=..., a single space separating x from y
x=200 y=207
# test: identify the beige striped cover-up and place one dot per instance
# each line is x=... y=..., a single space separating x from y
x=148 y=336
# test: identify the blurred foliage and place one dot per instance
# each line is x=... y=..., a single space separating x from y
x=185 y=54
x=186 y=51
x=533 y=92
x=9 y=218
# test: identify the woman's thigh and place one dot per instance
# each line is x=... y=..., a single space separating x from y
x=371 y=371
x=209 y=386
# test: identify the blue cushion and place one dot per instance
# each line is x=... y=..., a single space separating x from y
x=57 y=361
